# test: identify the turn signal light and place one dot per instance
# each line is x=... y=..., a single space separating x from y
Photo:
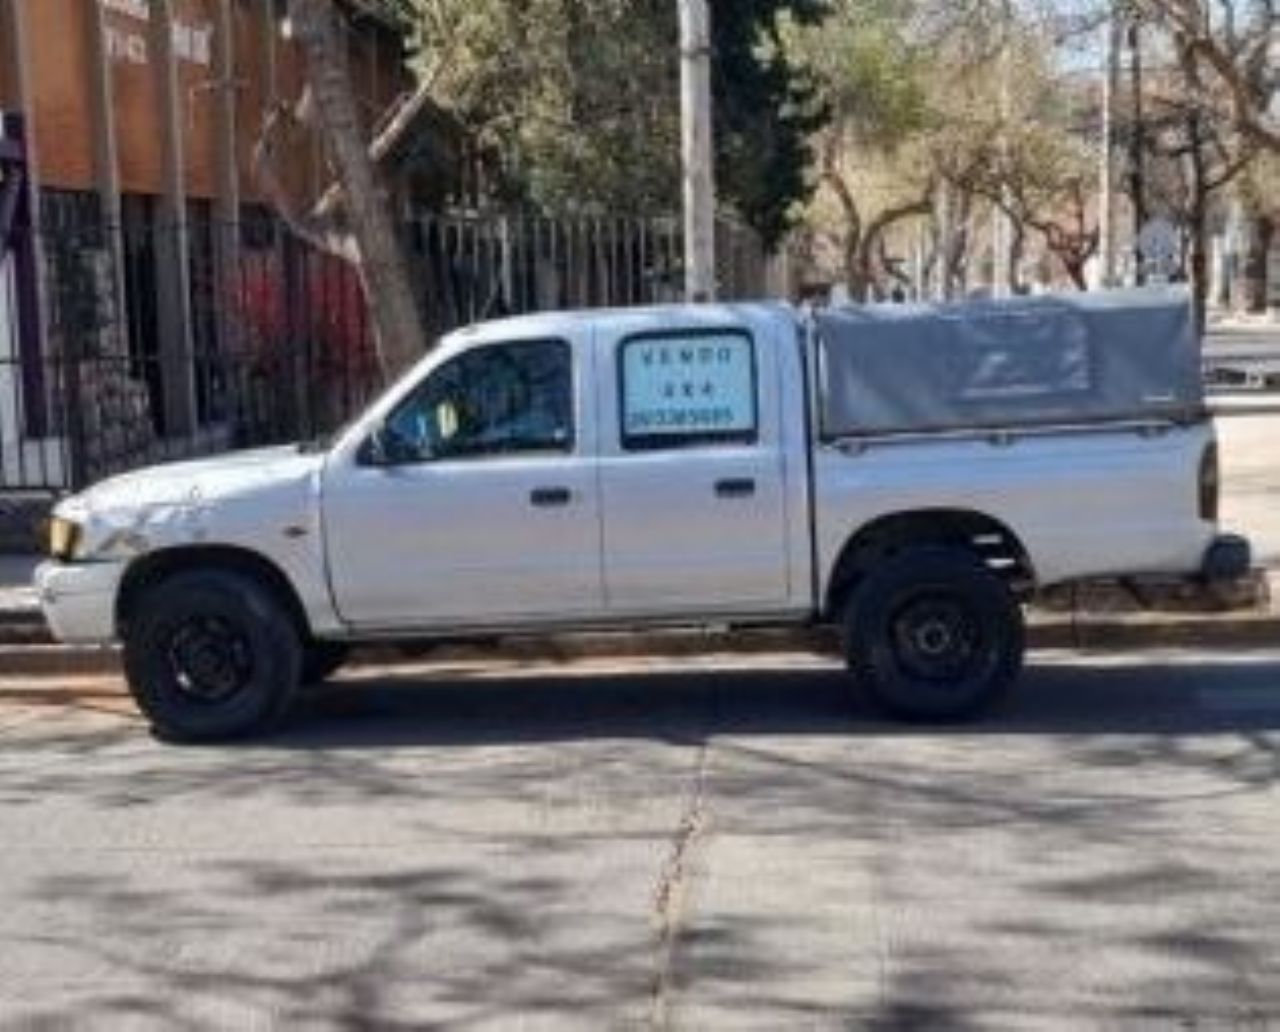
x=64 y=538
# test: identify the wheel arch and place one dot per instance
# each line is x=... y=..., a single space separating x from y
x=984 y=535
x=154 y=568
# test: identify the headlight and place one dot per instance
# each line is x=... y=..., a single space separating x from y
x=64 y=538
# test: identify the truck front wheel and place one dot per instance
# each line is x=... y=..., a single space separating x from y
x=211 y=654
x=933 y=634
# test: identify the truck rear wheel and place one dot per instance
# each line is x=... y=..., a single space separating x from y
x=933 y=634
x=211 y=654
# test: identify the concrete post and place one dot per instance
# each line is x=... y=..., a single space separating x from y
x=697 y=151
x=173 y=269
x=15 y=87
x=227 y=204
x=106 y=169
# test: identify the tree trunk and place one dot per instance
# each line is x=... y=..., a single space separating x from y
x=1198 y=260
x=1017 y=250
x=853 y=279
x=383 y=271
x=1075 y=269
x=961 y=238
x=1254 y=276
x=867 y=250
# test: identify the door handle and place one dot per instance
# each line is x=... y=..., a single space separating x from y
x=736 y=487
x=545 y=497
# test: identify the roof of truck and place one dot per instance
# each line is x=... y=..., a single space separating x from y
x=540 y=322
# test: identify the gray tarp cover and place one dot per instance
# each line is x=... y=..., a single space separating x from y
x=1027 y=361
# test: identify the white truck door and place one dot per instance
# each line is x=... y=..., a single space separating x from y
x=692 y=471
x=483 y=506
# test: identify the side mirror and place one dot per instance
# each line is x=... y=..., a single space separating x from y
x=374 y=450
x=379 y=450
x=385 y=447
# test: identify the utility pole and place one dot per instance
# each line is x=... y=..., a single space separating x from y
x=1106 y=191
x=171 y=237
x=696 y=152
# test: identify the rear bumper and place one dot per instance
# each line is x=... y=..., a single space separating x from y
x=79 y=599
x=1229 y=557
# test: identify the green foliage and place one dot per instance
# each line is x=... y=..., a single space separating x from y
x=567 y=99
x=868 y=71
x=964 y=94
x=577 y=101
x=767 y=108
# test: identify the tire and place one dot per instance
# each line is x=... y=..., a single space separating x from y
x=211 y=655
x=932 y=634
x=321 y=659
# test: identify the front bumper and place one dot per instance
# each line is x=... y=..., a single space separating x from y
x=1229 y=557
x=79 y=599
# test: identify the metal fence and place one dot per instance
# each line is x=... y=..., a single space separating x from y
x=156 y=341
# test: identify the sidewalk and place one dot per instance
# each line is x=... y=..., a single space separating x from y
x=1251 y=481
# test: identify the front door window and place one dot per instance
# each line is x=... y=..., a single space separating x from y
x=503 y=399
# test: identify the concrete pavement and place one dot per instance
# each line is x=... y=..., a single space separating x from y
x=1251 y=480
x=728 y=845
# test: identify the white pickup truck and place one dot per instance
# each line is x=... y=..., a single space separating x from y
x=911 y=474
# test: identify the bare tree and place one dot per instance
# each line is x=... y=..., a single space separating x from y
x=1042 y=180
x=401 y=339
x=1235 y=42
x=851 y=237
x=1204 y=152
x=862 y=239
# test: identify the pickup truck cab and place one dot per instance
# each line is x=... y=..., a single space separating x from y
x=679 y=465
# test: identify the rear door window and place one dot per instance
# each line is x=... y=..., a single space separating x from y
x=688 y=388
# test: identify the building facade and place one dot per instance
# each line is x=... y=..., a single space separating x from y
x=139 y=140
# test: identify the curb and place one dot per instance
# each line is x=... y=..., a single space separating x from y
x=22 y=627
x=1245 y=631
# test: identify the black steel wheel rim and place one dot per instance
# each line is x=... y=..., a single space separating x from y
x=937 y=638
x=210 y=659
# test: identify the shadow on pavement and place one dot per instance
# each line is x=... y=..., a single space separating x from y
x=1070 y=698
x=1085 y=869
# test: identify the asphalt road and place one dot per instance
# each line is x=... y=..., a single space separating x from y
x=731 y=846
x=1260 y=338
x=1233 y=352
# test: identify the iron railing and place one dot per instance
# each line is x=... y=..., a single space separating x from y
x=266 y=339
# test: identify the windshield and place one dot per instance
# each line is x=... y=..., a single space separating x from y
x=325 y=439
